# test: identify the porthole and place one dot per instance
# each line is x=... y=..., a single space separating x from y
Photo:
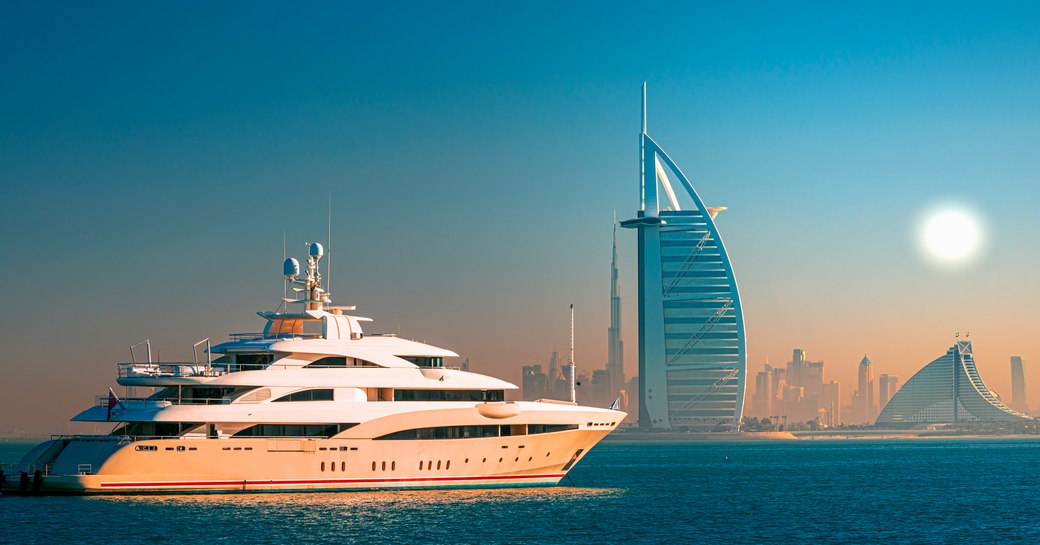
x=373 y=466
x=447 y=465
x=333 y=466
x=393 y=466
x=342 y=466
x=420 y=465
x=547 y=454
x=531 y=458
x=517 y=459
x=384 y=466
x=323 y=466
x=485 y=460
x=467 y=460
x=438 y=464
x=500 y=460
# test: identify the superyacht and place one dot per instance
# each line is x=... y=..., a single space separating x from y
x=311 y=403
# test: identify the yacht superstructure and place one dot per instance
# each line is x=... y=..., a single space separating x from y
x=312 y=403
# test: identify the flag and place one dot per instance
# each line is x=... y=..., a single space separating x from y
x=113 y=401
x=616 y=405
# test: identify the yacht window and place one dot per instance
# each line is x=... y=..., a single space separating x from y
x=155 y=429
x=424 y=361
x=322 y=394
x=197 y=395
x=549 y=428
x=293 y=430
x=335 y=362
x=331 y=361
x=449 y=395
x=253 y=362
x=443 y=432
x=255 y=396
x=244 y=362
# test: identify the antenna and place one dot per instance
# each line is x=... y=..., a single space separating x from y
x=644 y=107
x=328 y=258
x=642 y=155
x=285 y=282
x=574 y=368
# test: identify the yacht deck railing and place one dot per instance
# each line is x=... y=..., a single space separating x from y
x=150 y=403
x=169 y=369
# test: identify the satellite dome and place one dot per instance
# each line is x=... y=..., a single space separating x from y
x=316 y=250
x=291 y=267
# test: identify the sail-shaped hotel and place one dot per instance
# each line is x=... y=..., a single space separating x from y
x=692 y=353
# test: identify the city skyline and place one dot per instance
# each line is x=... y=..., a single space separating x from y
x=147 y=157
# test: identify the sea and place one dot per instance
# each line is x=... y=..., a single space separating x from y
x=918 y=491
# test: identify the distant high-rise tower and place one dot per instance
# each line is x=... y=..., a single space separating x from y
x=692 y=352
x=794 y=367
x=1018 y=384
x=761 y=402
x=866 y=411
x=830 y=402
x=887 y=386
x=615 y=346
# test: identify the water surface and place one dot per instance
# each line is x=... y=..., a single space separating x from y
x=842 y=491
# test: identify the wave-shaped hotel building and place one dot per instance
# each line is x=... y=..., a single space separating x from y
x=946 y=390
x=692 y=354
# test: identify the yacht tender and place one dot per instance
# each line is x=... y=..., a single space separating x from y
x=312 y=403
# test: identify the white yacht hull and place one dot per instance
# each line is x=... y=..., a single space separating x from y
x=281 y=465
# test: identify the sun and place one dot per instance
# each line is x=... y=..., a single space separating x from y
x=951 y=235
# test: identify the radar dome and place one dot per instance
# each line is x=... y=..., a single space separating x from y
x=316 y=250
x=291 y=267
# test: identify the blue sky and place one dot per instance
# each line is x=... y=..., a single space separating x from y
x=151 y=156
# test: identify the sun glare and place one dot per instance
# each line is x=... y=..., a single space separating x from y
x=950 y=236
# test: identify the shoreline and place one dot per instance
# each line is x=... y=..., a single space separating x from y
x=625 y=436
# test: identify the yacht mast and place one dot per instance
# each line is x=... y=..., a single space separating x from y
x=574 y=368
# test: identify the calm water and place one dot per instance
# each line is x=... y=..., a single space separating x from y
x=927 y=491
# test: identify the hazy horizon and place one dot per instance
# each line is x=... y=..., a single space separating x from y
x=153 y=159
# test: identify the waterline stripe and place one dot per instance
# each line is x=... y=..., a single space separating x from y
x=327 y=481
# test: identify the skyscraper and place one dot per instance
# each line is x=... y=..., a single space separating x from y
x=887 y=386
x=794 y=367
x=615 y=346
x=1018 y=385
x=532 y=382
x=692 y=353
x=830 y=402
x=761 y=403
x=865 y=391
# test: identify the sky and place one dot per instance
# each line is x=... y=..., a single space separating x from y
x=152 y=155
